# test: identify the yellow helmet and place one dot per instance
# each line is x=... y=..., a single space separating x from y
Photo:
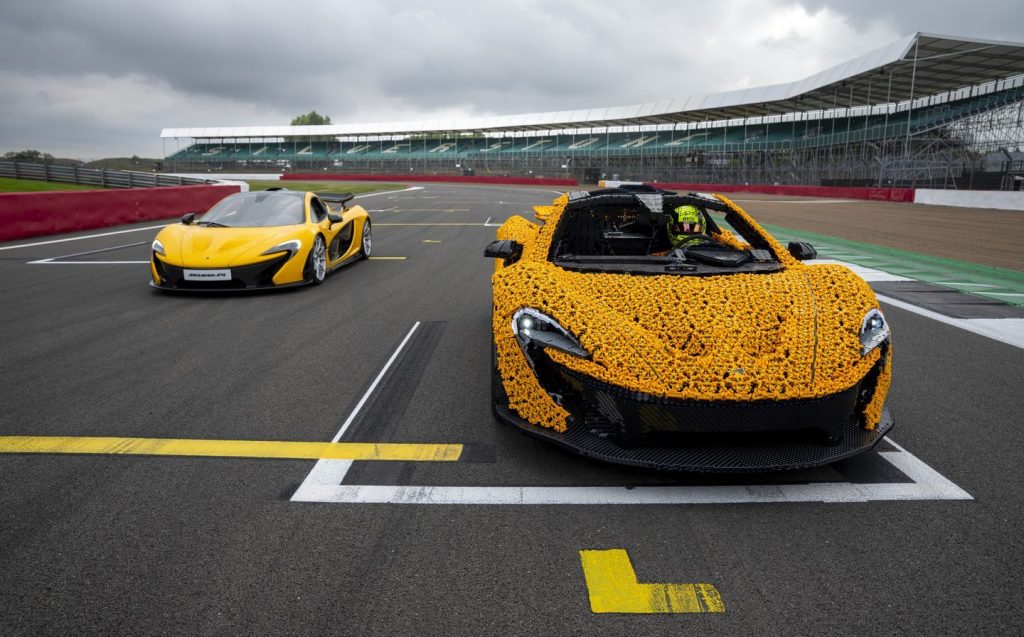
x=688 y=221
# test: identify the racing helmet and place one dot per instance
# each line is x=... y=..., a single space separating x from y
x=688 y=220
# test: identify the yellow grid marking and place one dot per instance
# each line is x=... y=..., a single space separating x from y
x=612 y=585
x=231 y=448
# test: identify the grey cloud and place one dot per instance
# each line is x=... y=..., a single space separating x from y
x=991 y=19
x=255 y=63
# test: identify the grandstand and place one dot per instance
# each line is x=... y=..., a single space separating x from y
x=925 y=111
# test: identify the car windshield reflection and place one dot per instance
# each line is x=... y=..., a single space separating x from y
x=256 y=210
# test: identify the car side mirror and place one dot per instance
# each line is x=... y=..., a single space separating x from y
x=802 y=251
x=333 y=218
x=505 y=249
x=188 y=218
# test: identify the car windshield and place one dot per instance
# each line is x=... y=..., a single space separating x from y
x=257 y=210
x=617 y=231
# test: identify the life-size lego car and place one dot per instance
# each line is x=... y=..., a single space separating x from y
x=729 y=354
x=265 y=239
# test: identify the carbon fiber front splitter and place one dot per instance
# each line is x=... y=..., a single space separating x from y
x=737 y=458
x=200 y=290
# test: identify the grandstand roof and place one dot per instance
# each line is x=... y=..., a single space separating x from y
x=917 y=65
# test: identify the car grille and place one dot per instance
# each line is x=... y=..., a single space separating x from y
x=631 y=418
x=250 y=276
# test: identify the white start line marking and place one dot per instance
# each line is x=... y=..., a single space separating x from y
x=926 y=484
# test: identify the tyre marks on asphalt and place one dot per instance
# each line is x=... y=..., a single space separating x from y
x=382 y=415
x=384 y=408
x=377 y=416
x=329 y=473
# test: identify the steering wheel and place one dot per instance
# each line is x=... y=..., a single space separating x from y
x=704 y=238
x=680 y=253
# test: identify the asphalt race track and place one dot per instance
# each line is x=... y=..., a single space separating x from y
x=920 y=537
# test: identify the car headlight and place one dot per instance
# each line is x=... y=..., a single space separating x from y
x=874 y=331
x=291 y=247
x=158 y=247
x=532 y=326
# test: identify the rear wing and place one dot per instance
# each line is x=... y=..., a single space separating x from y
x=336 y=198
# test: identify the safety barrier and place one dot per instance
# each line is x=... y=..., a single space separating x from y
x=836 y=192
x=453 y=179
x=101 y=177
x=33 y=214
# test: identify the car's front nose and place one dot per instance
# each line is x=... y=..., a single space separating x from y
x=174 y=277
x=614 y=424
x=202 y=258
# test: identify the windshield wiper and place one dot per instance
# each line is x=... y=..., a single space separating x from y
x=211 y=224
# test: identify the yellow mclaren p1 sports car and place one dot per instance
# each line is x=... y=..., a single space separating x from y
x=266 y=239
x=669 y=331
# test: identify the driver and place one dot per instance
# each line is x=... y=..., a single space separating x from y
x=687 y=229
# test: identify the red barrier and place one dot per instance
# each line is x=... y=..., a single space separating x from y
x=32 y=214
x=454 y=179
x=872 y=194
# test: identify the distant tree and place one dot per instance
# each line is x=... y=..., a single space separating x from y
x=311 y=118
x=29 y=155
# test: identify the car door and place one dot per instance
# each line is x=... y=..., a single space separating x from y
x=339 y=234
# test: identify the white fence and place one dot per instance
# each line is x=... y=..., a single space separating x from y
x=997 y=199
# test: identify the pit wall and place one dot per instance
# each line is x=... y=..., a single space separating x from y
x=991 y=199
x=997 y=199
x=452 y=179
x=829 y=192
x=33 y=214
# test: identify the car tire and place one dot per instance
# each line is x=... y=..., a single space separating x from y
x=367 y=241
x=317 y=262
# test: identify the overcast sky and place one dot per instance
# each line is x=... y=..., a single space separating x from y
x=101 y=79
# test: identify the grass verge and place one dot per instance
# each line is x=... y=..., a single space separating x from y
x=9 y=184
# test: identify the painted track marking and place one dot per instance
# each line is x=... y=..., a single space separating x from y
x=451 y=223
x=1005 y=330
x=926 y=484
x=90 y=236
x=328 y=473
x=230 y=448
x=613 y=588
x=48 y=262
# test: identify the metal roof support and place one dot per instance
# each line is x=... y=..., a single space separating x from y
x=910 y=105
x=940 y=64
x=885 y=130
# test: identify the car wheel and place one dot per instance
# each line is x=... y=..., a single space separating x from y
x=364 y=252
x=318 y=261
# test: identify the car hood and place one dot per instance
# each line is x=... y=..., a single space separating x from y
x=787 y=334
x=205 y=247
